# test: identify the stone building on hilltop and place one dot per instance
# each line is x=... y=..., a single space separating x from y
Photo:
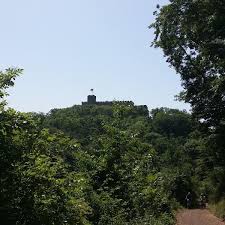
x=140 y=109
x=91 y=100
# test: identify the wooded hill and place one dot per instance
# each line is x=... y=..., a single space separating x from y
x=114 y=164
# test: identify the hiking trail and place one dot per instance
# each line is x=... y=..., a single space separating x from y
x=197 y=217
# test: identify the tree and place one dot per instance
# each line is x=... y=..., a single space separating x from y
x=7 y=80
x=37 y=183
x=192 y=36
x=171 y=122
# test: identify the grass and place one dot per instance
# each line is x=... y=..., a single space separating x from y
x=218 y=209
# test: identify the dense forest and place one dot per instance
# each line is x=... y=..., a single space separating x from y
x=117 y=164
x=123 y=164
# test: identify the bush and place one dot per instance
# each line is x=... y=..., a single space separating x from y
x=218 y=209
x=164 y=219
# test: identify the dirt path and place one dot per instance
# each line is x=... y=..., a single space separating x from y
x=197 y=217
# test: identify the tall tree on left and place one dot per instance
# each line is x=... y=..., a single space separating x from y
x=37 y=185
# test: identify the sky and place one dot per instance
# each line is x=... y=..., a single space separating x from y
x=67 y=47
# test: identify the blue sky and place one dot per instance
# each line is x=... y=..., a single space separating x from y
x=68 y=47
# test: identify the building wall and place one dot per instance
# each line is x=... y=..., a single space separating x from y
x=91 y=100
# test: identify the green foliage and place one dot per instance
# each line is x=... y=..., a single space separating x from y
x=133 y=160
x=151 y=220
x=218 y=209
x=57 y=192
x=191 y=36
x=103 y=165
x=119 y=160
x=121 y=164
x=171 y=122
x=37 y=185
x=7 y=80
